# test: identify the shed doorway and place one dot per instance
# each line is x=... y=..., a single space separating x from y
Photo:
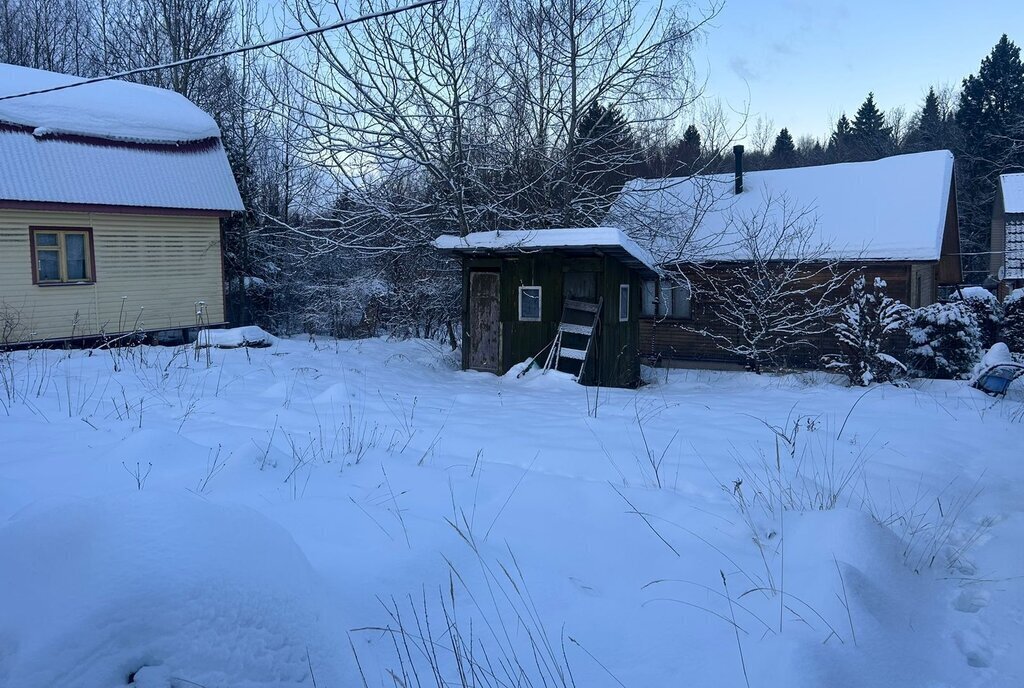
x=581 y=286
x=484 y=321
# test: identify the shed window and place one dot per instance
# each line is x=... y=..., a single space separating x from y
x=529 y=304
x=62 y=256
x=623 y=302
x=673 y=299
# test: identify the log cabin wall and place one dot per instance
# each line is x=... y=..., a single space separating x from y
x=669 y=341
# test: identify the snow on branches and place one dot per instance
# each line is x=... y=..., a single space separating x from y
x=945 y=340
x=864 y=332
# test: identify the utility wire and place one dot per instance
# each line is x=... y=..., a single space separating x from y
x=233 y=51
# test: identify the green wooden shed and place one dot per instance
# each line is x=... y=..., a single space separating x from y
x=522 y=288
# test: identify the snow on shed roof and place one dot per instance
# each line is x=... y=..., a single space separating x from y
x=612 y=240
x=889 y=209
x=114 y=110
x=1012 y=186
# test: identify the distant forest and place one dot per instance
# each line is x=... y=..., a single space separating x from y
x=355 y=148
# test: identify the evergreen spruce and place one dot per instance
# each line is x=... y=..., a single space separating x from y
x=784 y=152
x=1013 y=322
x=870 y=138
x=990 y=120
x=839 y=142
x=945 y=341
x=682 y=156
x=865 y=331
x=605 y=153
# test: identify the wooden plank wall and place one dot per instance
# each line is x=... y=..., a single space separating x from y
x=666 y=340
x=148 y=267
x=614 y=360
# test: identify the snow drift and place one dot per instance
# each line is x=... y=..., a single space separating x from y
x=169 y=590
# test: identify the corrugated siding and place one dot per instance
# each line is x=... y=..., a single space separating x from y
x=150 y=272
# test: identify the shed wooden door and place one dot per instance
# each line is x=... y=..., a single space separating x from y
x=484 y=321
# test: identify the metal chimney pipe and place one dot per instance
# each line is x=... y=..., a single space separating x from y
x=738 y=152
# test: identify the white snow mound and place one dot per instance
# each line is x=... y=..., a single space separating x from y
x=236 y=337
x=167 y=589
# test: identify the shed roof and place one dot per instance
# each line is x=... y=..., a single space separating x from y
x=893 y=209
x=1012 y=186
x=109 y=144
x=609 y=240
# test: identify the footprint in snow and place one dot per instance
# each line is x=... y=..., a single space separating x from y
x=971 y=601
x=974 y=647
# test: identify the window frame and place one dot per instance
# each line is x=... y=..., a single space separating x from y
x=664 y=301
x=61 y=250
x=540 y=302
x=624 y=313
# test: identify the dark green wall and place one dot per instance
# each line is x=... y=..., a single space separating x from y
x=613 y=361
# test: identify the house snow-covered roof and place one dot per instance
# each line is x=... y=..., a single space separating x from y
x=610 y=240
x=112 y=110
x=893 y=209
x=111 y=143
x=1012 y=186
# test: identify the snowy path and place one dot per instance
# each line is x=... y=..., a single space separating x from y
x=380 y=461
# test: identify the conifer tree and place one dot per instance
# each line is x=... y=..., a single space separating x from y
x=990 y=121
x=839 y=143
x=682 y=156
x=783 y=153
x=865 y=329
x=605 y=150
x=870 y=138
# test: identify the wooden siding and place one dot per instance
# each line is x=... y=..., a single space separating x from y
x=149 y=268
x=614 y=360
x=666 y=339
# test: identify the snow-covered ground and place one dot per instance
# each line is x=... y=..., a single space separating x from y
x=248 y=517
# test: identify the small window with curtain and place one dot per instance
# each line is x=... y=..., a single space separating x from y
x=62 y=255
x=680 y=301
x=623 y=302
x=666 y=299
x=529 y=304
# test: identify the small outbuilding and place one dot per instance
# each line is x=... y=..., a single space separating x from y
x=1007 y=256
x=577 y=289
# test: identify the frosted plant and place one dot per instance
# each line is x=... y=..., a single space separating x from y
x=865 y=328
x=945 y=340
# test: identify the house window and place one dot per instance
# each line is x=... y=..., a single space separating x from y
x=673 y=300
x=623 y=302
x=529 y=304
x=62 y=255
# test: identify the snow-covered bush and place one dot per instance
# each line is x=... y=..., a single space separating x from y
x=1013 y=321
x=945 y=341
x=986 y=309
x=864 y=331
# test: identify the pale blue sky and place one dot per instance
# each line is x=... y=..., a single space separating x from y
x=807 y=61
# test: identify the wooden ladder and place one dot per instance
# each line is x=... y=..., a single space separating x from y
x=582 y=310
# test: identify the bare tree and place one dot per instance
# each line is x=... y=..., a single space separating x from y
x=774 y=287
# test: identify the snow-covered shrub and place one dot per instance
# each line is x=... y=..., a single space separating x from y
x=864 y=331
x=945 y=341
x=986 y=309
x=1013 y=321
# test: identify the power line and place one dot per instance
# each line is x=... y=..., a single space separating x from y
x=233 y=51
